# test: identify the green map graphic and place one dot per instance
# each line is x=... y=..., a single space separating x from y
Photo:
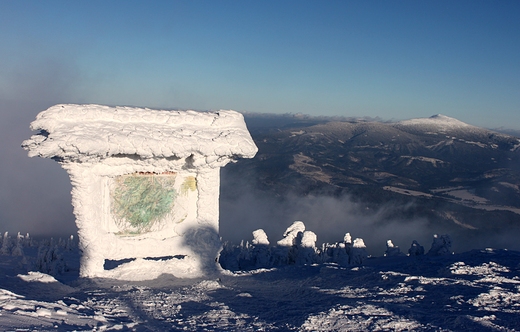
x=141 y=201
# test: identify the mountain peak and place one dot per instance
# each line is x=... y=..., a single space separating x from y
x=440 y=116
x=438 y=120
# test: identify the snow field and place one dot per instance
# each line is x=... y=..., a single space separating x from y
x=473 y=291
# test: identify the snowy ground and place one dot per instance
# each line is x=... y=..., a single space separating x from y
x=473 y=291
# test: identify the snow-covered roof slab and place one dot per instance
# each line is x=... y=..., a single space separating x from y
x=83 y=132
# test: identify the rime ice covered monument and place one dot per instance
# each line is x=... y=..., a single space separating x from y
x=145 y=183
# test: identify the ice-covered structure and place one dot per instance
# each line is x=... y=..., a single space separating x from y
x=145 y=182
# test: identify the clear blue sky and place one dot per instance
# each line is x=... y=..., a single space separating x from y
x=392 y=59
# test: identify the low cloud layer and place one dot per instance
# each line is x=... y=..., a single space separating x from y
x=329 y=217
x=245 y=209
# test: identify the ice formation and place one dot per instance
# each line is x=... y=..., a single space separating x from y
x=145 y=182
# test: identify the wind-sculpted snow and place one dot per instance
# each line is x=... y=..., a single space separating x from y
x=473 y=291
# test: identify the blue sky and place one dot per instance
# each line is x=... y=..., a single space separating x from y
x=389 y=59
x=392 y=59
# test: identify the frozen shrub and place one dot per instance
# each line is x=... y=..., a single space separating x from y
x=228 y=258
x=292 y=235
x=392 y=250
x=282 y=255
x=49 y=259
x=344 y=258
x=246 y=260
x=70 y=243
x=259 y=237
x=337 y=253
x=309 y=239
x=306 y=252
x=359 y=243
x=326 y=252
x=441 y=245
x=358 y=253
x=27 y=241
x=261 y=253
x=416 y=249
x=244 y=257
x=286 y=250
x=347 y=238
x=297 y=247
x=6 y=246
x=18 y=248
x=262 y=256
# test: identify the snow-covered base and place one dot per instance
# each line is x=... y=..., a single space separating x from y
x=473 y=291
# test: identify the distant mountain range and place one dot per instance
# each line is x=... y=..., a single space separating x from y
x=454 y=173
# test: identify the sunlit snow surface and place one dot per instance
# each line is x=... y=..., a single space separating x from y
x=439 y=121
x=473 y=291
